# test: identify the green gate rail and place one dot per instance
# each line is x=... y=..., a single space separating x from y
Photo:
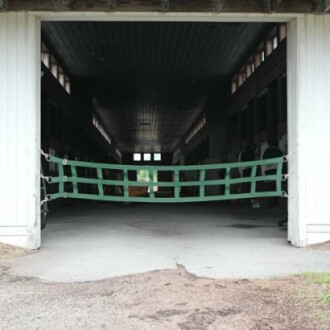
x=69 y=181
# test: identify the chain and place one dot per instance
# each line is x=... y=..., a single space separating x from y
x=47 y=156
x=45 y=200
x=48 y=179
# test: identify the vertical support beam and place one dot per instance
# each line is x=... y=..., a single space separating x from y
x=176 y=188
x=100 y=185
x=74 y=178
x=254 y=183
x=308 y=131
x=20 y=129
x=126 y=190
x=202 y=183
x=61 y=175
x=296 y=220
x=227 y=181
x=151 y=183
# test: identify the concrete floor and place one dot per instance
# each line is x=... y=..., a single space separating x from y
x=94 y=241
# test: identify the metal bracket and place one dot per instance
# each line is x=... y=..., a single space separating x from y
x=165 y=5
x=47 y=199
x=47 y=156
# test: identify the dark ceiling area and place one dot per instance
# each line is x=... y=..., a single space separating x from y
x=151 y=80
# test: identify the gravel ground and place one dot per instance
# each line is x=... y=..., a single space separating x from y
x=167 y=299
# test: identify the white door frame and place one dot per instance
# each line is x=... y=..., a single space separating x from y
x=297 y=226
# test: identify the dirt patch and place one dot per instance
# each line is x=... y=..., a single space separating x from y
x=9 y=252
x=322 y=246
x=169 y=299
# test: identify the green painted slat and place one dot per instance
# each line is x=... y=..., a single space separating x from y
x=167 y=184
x=253 y=183
x=100 y=185
x=151 y=184
x=126 y=192
x=73 y=179
x=61 y=174
x=169 y=199
x=176 y=187
x=279 y=174
x=167 y=168
x=202 y=183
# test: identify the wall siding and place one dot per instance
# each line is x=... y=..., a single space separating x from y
x=19 y=129
x=309 y=133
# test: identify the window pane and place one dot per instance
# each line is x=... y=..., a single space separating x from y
x=157 y=157
x=137 y=157
x=147 y=157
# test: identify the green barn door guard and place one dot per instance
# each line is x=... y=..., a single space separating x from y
x=72 y=177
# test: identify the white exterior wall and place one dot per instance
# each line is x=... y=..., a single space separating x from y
x=19 y=129
x=309 y=130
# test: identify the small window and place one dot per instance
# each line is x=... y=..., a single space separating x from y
x=257 y=60
x=147 y=157
x=45 y=59
x=275 y=42
x=61 y=77
x=282 y=32
x=54 y=67
x=248 y=70
x=68 y=86
x=233 y=86
x=269 y=47
x=262 y=56
x=157 y=157
x=240 y=79
x=137 y=157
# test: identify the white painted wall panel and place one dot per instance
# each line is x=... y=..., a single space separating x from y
x=309 y=131
x=19 y=128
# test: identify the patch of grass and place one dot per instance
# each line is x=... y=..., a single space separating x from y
x=318 y=278
x=325 y=297
x=322 y=315
x=323 y=281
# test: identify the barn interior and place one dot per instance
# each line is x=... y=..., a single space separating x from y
x=163 y=93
